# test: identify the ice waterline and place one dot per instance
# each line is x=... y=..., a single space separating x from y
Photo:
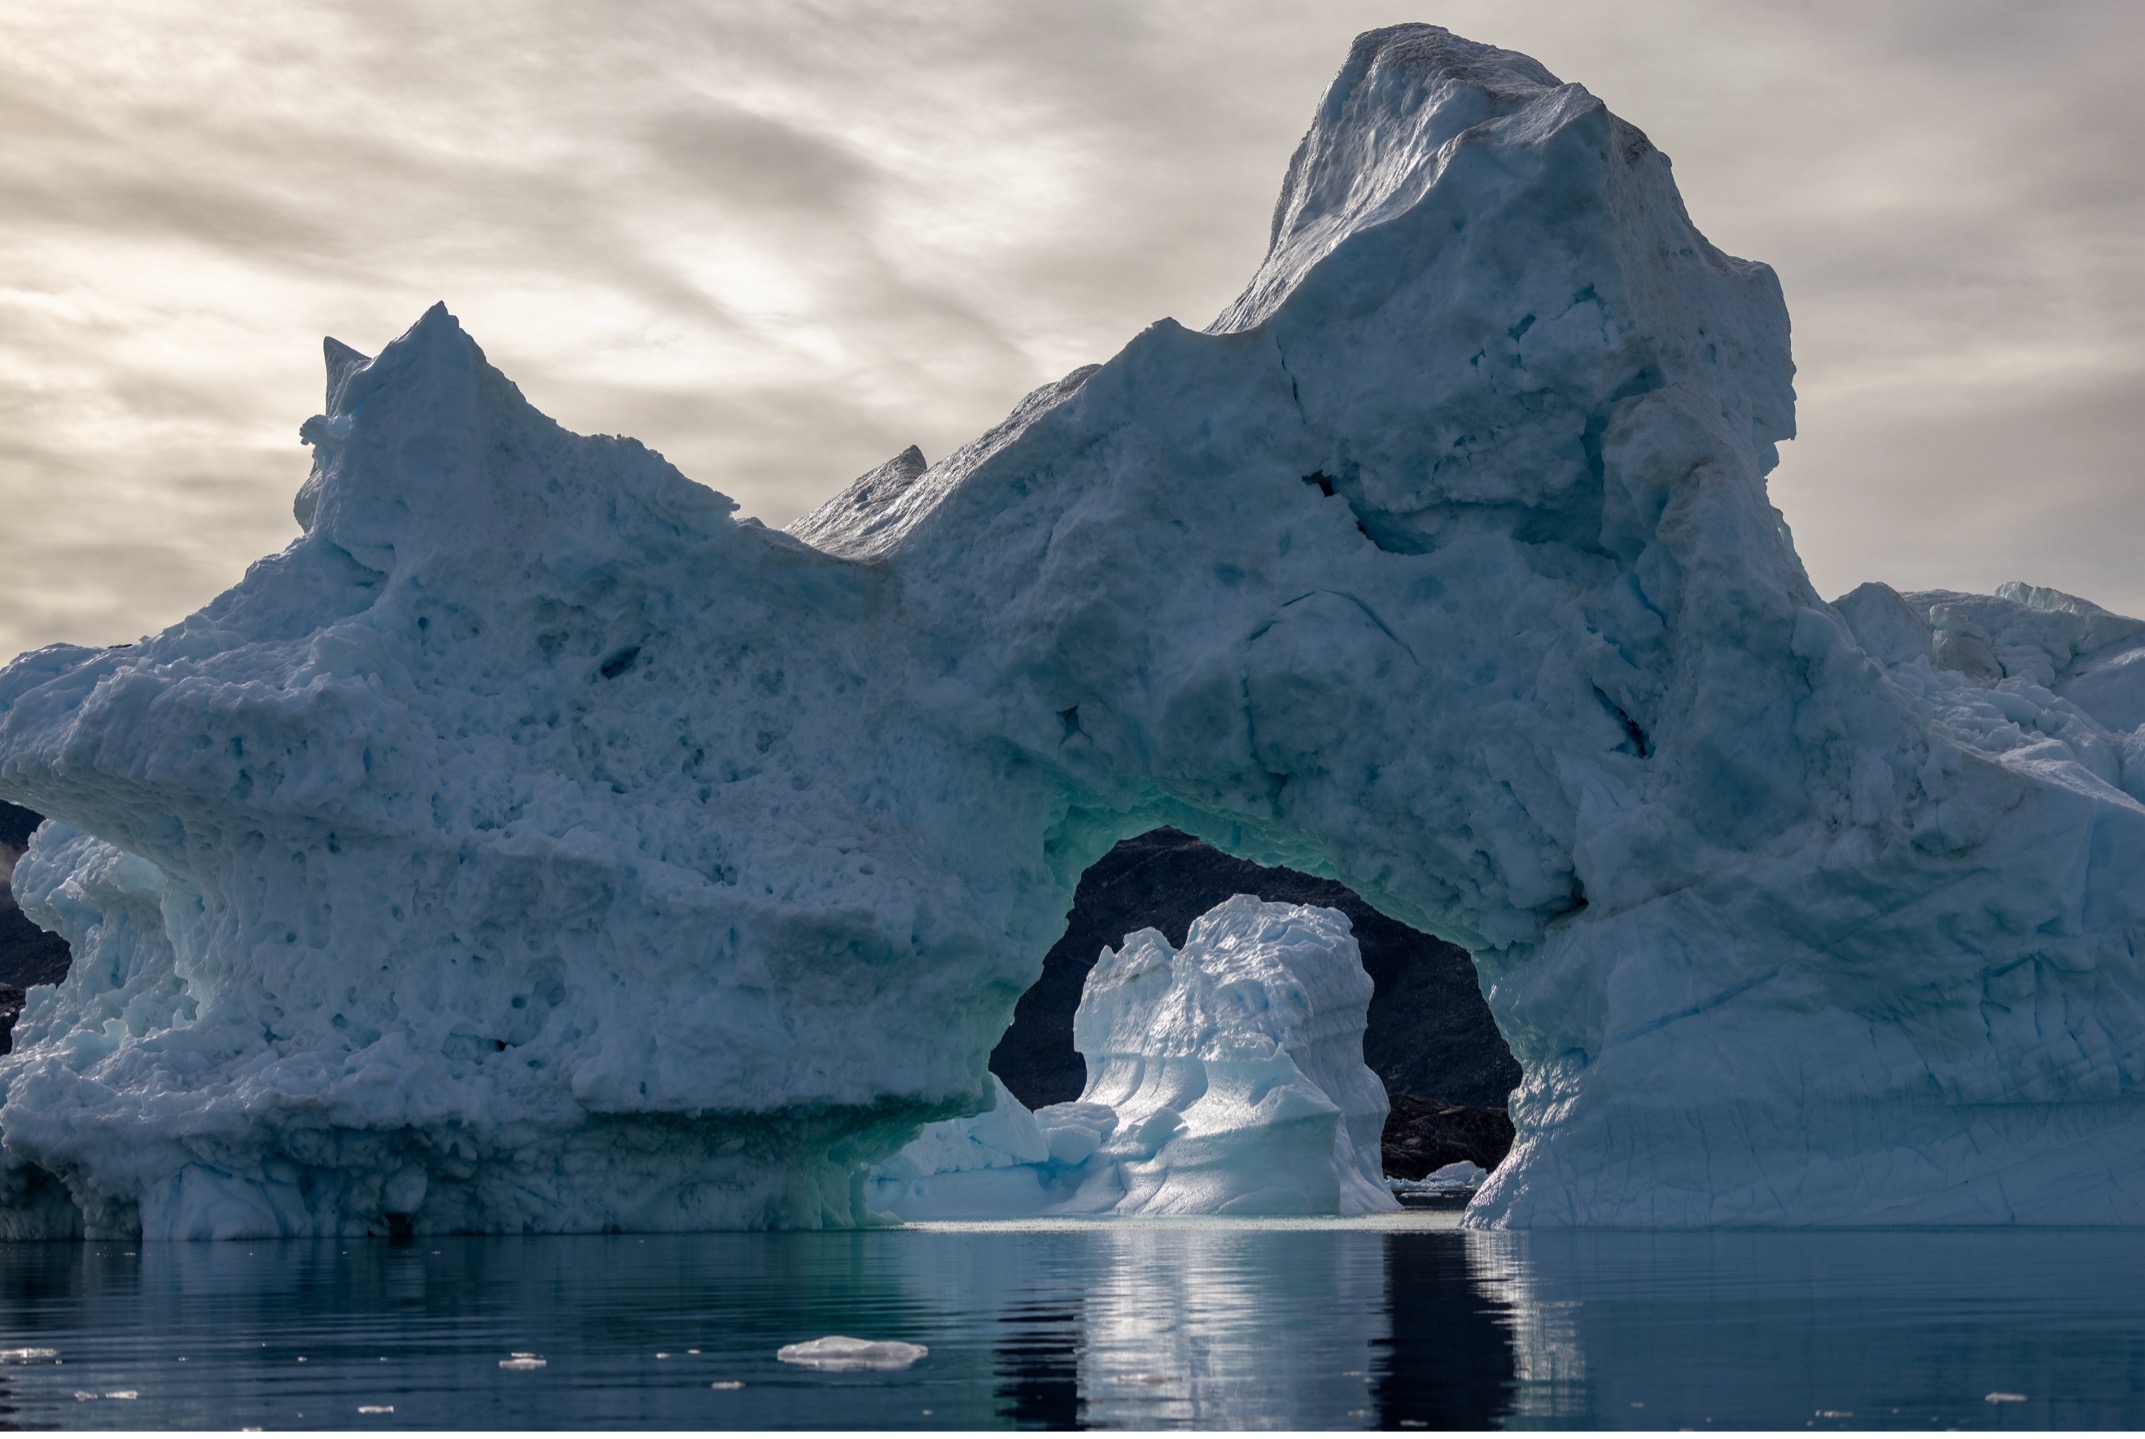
x=534 y=846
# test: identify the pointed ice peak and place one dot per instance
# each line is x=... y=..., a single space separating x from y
x=437 y=334
x=909 y=463
x=342 y=362
x=847 y=524
x=1377 y=143
x=353 y=376
x=437 y=320
x=435 y=366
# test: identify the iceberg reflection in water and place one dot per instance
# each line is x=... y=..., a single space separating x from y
x=1391 y=1322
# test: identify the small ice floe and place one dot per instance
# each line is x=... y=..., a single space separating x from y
x=839 y=1352
x=522 y=1360
x=727 y=1384
x=1999 y=1397
x=27 y=1356
x=1463 y=1177
x=376 y=1408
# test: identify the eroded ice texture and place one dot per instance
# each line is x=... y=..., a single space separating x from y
x=1223 y=1078
x=533 y=845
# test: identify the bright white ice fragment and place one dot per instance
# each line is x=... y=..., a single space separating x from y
x=1460 y=1177
x=1223 y=1078
x=838 y=1352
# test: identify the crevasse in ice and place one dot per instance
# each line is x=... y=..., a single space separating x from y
x=534 y=846
x=1223 y=1078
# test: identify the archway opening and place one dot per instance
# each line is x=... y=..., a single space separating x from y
x=1430 y=1037
x=28 y=955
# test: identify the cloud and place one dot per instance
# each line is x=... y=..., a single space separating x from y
x=757 y=162
x=780 y=239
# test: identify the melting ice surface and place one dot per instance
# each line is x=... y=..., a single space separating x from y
x=1223 y=1078
x=1388 y=1322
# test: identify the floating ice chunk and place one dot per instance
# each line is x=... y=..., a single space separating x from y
x=839 y=1352
x=1461 y=1177
x=1223 y=1078
x=1234 y=1066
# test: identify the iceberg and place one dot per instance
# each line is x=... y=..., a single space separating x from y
x=1461 y=1177
x=534 y=845
x=1226 y=1077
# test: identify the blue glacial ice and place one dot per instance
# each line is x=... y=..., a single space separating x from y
x=1223 y=1078
x=535 y=845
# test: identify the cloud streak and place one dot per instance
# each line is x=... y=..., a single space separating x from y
x=780 y=241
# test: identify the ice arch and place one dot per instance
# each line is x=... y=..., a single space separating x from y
x=531 y=845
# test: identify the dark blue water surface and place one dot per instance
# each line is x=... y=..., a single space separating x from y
x=1401 y=1322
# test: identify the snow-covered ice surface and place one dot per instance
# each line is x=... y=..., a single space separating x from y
x=1223 y=1078
x=532 y=845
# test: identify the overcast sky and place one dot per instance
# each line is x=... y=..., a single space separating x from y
x=780 y=241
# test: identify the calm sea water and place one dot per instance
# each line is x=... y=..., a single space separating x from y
x=1399 y=1322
